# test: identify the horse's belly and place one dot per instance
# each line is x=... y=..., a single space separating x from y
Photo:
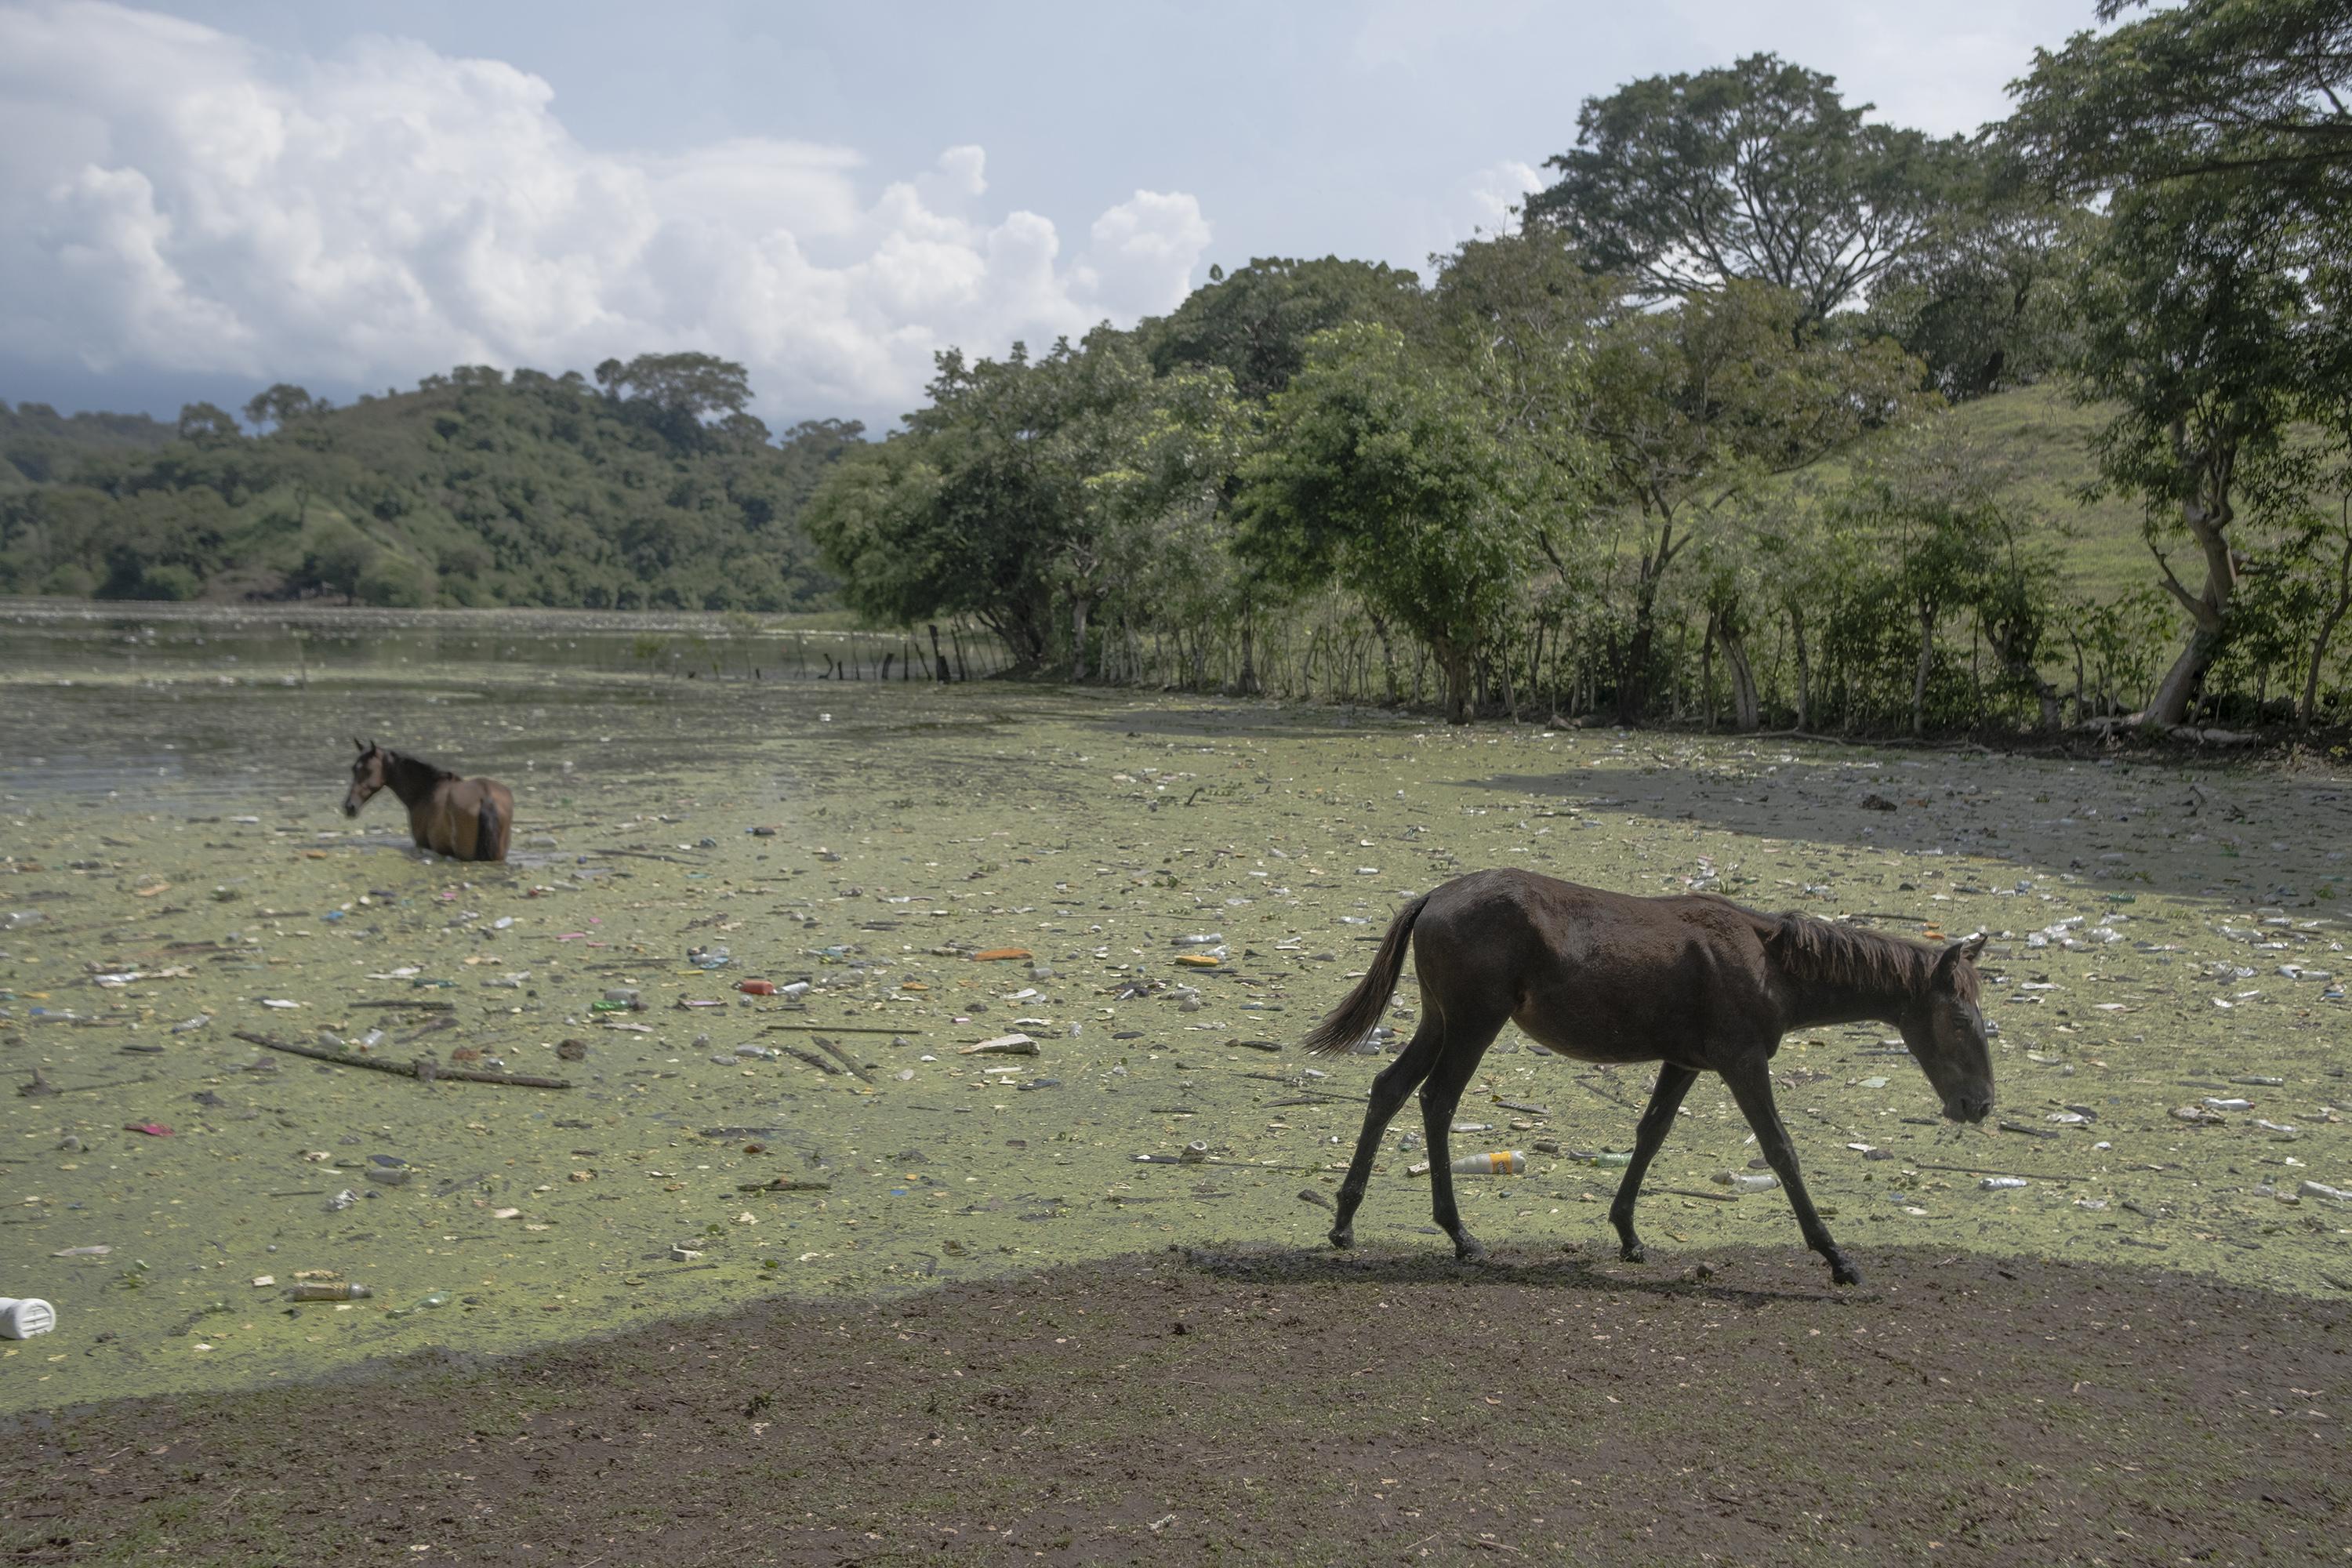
x=1613 y=1031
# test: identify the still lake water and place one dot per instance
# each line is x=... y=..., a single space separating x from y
x=175 y=872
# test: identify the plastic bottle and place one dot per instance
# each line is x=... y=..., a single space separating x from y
x=320 y=1292
x=1502 y=1162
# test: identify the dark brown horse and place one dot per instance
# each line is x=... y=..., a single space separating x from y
x=465 y=819
x=1695 y=984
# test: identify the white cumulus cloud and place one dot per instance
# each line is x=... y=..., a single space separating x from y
x=174 y=197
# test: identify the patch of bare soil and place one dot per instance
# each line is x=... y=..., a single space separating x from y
x=1288 y=1407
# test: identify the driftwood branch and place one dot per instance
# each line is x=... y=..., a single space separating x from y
x=815 y=1060
x=837 y=1054
x=403 y=1069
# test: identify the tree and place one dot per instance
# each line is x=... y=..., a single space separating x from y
x=1693 y=404
x=1027 y=492
x=282 y=404
x=1380 y=471
x=208 y=424
x=338 y=556
x=1757 y=172
x=1983 y=303
x=2255 y=93
x=2190 y=314
x=1255 y=321
x=394 y=581
x=680 y=393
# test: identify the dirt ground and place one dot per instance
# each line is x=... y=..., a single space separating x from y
x=1286 y=1406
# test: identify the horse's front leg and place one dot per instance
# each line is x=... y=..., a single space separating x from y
x=1750 y=1078
x=1673 y=1082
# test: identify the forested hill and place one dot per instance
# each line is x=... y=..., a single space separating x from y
x=37 y=444
x=650 y=487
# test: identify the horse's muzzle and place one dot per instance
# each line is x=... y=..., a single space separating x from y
x=1970 y=1108
x=351 y=808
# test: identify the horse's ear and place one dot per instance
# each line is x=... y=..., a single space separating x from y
x=359 y=745
x=1948 y=961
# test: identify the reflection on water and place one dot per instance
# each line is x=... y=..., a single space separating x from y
x=192 y=705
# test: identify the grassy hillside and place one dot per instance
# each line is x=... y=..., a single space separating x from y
x=474 y=488
x=2044 y=437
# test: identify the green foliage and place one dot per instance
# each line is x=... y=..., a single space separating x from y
x=2251 y=93
x=1030 y=493
x=40 y=446
x=1255 y=321
x=478 y=488
x=1383 y=472
x=1760 y=172
x=394 y=581
x=1984 y=302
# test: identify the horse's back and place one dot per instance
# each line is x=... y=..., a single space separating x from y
x=1598 y=974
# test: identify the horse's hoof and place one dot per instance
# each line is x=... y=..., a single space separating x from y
x=1631 y=1252
x=1469 y=1249
x=1344 y=1239
x=1844 y=1273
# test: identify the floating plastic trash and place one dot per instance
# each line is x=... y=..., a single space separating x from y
x=22 y=1317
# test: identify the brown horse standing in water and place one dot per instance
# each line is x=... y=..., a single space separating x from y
x=465 y=819
x=1695 y=984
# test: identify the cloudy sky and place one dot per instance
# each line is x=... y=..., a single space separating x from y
x=199 y=198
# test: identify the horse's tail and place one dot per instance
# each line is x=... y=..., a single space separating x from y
x=1352 y=1019
x=489 y=833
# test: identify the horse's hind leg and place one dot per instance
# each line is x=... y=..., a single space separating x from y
x=1750 y=1081
x=1439 y=1097
x=1389 y=1088
x=1673 y=1082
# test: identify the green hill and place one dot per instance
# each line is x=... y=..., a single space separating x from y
x=2044 y=437
x=40 y=446
x=655 y=491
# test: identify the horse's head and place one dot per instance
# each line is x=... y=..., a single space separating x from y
x=368 y=771
x=1947 y=1033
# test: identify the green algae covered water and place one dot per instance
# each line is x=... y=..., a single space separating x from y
x=2167 y=973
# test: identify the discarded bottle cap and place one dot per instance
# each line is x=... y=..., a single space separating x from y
x=22 y=1317
x=318 y=1292
x=1195 y=1152
x=1502 y=1162
x=2001 y=1183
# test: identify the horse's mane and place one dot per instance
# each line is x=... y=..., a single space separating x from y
x=1826 y=953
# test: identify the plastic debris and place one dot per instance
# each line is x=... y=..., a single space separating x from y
x=1501 y=1163
x=22 y=1317
x=321 y=1291
x=1013 y=1045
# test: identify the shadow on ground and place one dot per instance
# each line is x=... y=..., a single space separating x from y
x=1238 y=1405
